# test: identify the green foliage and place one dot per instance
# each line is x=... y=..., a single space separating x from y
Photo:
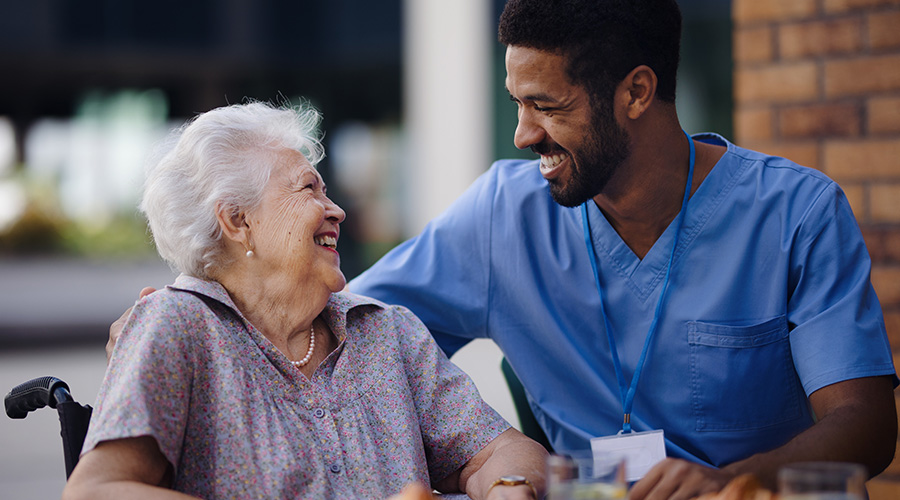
x=121 y=237
x=35 y=233
x=41 y=232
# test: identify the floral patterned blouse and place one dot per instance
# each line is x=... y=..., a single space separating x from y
x=237 y=420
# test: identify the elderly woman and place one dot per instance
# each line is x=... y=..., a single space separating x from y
x=254 y=375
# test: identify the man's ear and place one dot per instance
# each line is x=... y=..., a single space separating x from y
x=637 y=91
x=233 y=224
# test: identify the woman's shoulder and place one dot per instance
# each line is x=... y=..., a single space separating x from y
x=159 y=327
x=170 y=302
x=365 y=308
x=371 y=317
x=174 y=313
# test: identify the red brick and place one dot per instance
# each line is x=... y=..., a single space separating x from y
x=884 y=202
x=892 y=324
x=884 y=487
x=883 y=30
x=835 y=36
x=856 y=195
x=753 y=45
x=781 y=83
x=753 y=124
x=748 y=11
x=862 y=160
x=833 y=6
x=883 y=242
x=862 y=75
x=820 y=120
x=802 y=153
x=875 y=238
x=883 y=113
x=886 y=280
x=897 y=404
x=892 y=473
x=892 y=244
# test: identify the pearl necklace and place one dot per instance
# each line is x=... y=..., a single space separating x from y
x=309 y=352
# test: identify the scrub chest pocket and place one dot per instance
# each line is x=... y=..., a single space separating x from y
x=742 y=377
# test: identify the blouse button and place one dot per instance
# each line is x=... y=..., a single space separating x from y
x=335 y=468
x=319 y=413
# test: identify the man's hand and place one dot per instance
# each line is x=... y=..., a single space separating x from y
x=676 y=479
x=115 y=329
x=857 y=422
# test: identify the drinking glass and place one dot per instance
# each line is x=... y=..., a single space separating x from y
x=582 y=476
x=822 y=481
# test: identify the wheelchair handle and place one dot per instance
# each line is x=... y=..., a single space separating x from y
x=36 y=394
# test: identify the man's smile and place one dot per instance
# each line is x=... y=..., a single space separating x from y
x=551 y=165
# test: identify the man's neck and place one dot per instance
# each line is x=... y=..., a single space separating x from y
x=645 y=196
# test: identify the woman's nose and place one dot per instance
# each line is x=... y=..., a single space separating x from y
x=528 y=133
x=334 y=212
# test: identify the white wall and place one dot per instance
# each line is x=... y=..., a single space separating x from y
x=447 y=85
x=449 y=122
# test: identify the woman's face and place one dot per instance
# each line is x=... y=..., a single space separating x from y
x=294 y=231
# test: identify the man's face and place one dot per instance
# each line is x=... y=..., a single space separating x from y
x=580 y=143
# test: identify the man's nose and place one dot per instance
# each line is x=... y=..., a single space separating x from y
x=528 y=132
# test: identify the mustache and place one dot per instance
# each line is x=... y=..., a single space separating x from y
x=545 y=148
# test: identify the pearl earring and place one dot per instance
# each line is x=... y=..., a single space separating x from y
x=250 y=253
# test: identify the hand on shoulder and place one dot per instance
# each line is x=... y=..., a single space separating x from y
x=115 y=329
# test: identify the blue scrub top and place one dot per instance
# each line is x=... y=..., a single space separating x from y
x=769 y=300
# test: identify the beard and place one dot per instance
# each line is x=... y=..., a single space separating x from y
x=604 y=148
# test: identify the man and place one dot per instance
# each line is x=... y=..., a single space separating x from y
x=742 y=302
x=734 y=288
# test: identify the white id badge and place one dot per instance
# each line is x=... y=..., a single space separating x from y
x=641 y=450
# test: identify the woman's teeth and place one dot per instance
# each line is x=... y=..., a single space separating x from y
x=326 y=241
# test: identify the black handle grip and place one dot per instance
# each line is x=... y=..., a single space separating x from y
x=36 y=394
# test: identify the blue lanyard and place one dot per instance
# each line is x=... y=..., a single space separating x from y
x=627 y=392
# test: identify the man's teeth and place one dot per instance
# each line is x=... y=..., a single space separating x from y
x=326 y=241
x=552 y=160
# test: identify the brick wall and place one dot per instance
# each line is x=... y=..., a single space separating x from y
x=818 y=81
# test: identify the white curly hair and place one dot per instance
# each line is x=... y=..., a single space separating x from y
x=223 y=156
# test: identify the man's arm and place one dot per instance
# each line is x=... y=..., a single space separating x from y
x=857 y=422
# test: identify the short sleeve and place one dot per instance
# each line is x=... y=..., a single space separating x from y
x=146 y=389
x=838 y=328
x=455 y=422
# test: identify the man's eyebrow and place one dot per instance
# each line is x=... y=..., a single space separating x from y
x=539 y=97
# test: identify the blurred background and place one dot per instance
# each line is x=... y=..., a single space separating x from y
x=414 y=109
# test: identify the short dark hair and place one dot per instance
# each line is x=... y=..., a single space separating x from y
x=603 y=39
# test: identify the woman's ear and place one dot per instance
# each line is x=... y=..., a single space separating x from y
x=233 y=224
x=638 y=90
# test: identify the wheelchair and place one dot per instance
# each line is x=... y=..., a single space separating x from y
x=74 y=417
